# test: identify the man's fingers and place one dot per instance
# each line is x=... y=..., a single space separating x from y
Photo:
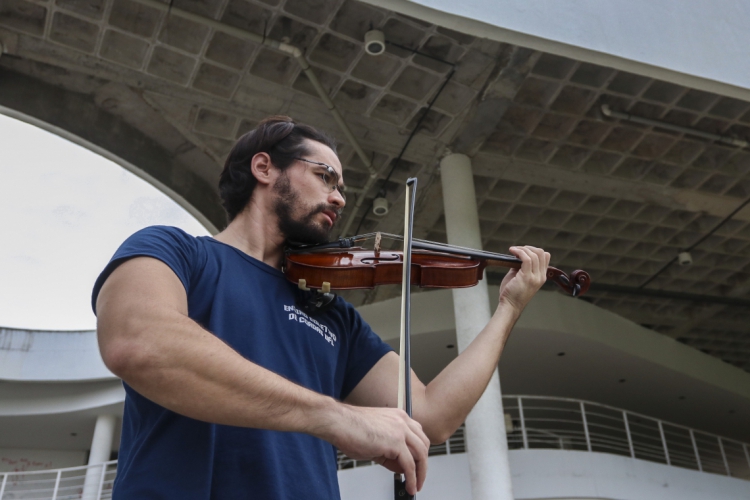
x=419 y=451
x=529 y=259
x=395 y=441
x=543 y=264
x=418 y=445
x=537 y=258
x=421 y=472
x=407 y=463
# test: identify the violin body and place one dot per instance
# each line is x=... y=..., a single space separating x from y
x=358 y=268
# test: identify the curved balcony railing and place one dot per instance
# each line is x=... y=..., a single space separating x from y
x=537 y=422
x=88 y=482
x=532 y=422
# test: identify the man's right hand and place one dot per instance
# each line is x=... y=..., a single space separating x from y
x=385 y=435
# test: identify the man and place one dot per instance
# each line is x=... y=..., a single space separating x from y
x=232 y=391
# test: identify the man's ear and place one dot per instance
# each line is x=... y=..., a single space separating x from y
x=263 y=169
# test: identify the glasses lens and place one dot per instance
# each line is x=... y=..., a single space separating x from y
x=328 y=178
x=331 y=178
x=327 y=174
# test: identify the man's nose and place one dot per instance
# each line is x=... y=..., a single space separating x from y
x=336 y=198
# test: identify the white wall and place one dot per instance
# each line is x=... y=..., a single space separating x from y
x=432 y=311
x=15 y=460
x=21 y=399
x=696 y=43
x=40 y=355
x=556 y=474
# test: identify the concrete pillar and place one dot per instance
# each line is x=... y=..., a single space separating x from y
x=101 y=449
x=485 y=426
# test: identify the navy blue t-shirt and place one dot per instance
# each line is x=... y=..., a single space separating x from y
x=251 y=307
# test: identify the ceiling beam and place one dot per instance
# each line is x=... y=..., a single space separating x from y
x=659 y=319
x=489 y=165
x=728 y=300
x=719 y=336
x=494 y=100
x=709 y=312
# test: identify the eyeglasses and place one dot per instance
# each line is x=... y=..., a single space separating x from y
x=328 y=175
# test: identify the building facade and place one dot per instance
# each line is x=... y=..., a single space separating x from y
x=614 y=135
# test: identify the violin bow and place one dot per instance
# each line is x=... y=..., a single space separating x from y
x=404 y=365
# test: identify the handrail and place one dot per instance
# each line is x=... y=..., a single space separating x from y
x=543 y=422
x=65 y=469
x=538 y=422
x=69 y=483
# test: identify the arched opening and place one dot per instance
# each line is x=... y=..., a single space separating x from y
x=161 y=156
x=65 y=209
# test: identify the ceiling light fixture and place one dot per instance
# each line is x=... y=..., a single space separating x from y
x=380 y=206
x=374 y=42
x=684 y=258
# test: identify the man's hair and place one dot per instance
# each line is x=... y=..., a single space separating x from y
x=282 y=139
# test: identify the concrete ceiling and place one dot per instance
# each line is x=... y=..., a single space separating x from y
x=169 y=96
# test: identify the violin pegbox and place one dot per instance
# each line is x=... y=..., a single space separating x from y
x=576 y=285
x=581 y=280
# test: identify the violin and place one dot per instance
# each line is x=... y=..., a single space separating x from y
x=341 y=265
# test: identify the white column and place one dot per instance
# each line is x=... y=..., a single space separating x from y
x=485 y=426
x=101 y=448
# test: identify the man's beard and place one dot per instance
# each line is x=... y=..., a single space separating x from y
x=304 y=229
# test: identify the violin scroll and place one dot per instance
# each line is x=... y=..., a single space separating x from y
x=576 y=284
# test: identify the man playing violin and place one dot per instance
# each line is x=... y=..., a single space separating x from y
x=232 y=391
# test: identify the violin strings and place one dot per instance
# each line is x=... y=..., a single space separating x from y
x=448 y=248
x=424 y=244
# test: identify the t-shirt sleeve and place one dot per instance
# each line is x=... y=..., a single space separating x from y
x=170 y=245
x=365 y=350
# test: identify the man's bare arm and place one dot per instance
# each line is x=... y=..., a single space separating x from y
x=444 y=403
x=147 y=339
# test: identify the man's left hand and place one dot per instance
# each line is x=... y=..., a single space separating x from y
x=520 y=285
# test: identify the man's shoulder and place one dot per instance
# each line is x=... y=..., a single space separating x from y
x=162 y=232
x=160 y=237
x=171 y=245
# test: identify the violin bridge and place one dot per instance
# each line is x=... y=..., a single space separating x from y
x=326 y=288
x=302 y=284
x=378 y=238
